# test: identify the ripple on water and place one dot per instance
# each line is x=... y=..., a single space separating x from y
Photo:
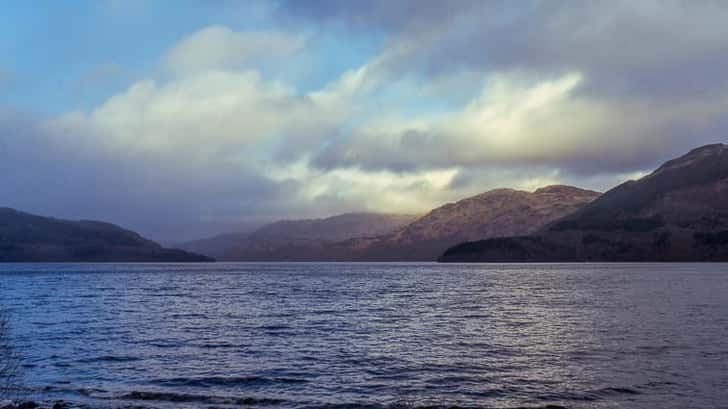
x=212 y=381
x=108 y=358
x=207 y=399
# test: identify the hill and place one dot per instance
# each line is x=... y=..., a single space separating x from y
x=291 y=240
x=25 y=237
x=500 y=212
x=679 y=212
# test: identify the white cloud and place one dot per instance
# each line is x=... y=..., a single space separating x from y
x=521 y=120
x=354 y=189
x=210 y=114
x=220 y=48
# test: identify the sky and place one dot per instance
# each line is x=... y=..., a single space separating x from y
x=180 y=119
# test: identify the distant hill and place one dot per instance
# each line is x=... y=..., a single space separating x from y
x=500 y=212
x=26 y=237
x=216 y=246
x=677 y=213
x=289 y=240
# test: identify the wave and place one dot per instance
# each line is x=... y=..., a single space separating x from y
x=617 y=391
x=109 y=358
x=210 y=381
x=407 y=405
x=209 y=399
x=590 y=396
x=219 y=345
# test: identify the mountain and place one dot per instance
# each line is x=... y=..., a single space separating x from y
x=500 y=212
x=26 y=237
x=292 y=240
x=679 y=212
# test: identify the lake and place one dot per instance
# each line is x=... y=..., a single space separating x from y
x=371 y=335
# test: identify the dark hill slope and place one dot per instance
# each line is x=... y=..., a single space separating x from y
x=26 y=237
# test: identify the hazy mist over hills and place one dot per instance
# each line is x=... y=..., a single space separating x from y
x=286 y=239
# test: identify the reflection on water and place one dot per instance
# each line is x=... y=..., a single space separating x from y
x=323 y=335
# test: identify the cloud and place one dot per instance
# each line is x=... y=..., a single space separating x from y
x=650 y=82
x=221 y=114
x=220 y=48
x=520 y=121
x=649 y=47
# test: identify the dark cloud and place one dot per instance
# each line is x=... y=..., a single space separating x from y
x=390 y=16
x=659 y=48
x=437 y=151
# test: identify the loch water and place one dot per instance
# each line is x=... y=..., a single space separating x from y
x=338 y=335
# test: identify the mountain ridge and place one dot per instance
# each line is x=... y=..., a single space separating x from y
x=502 y=211
x=679 y=212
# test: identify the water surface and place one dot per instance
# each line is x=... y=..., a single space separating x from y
x=349 y=335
